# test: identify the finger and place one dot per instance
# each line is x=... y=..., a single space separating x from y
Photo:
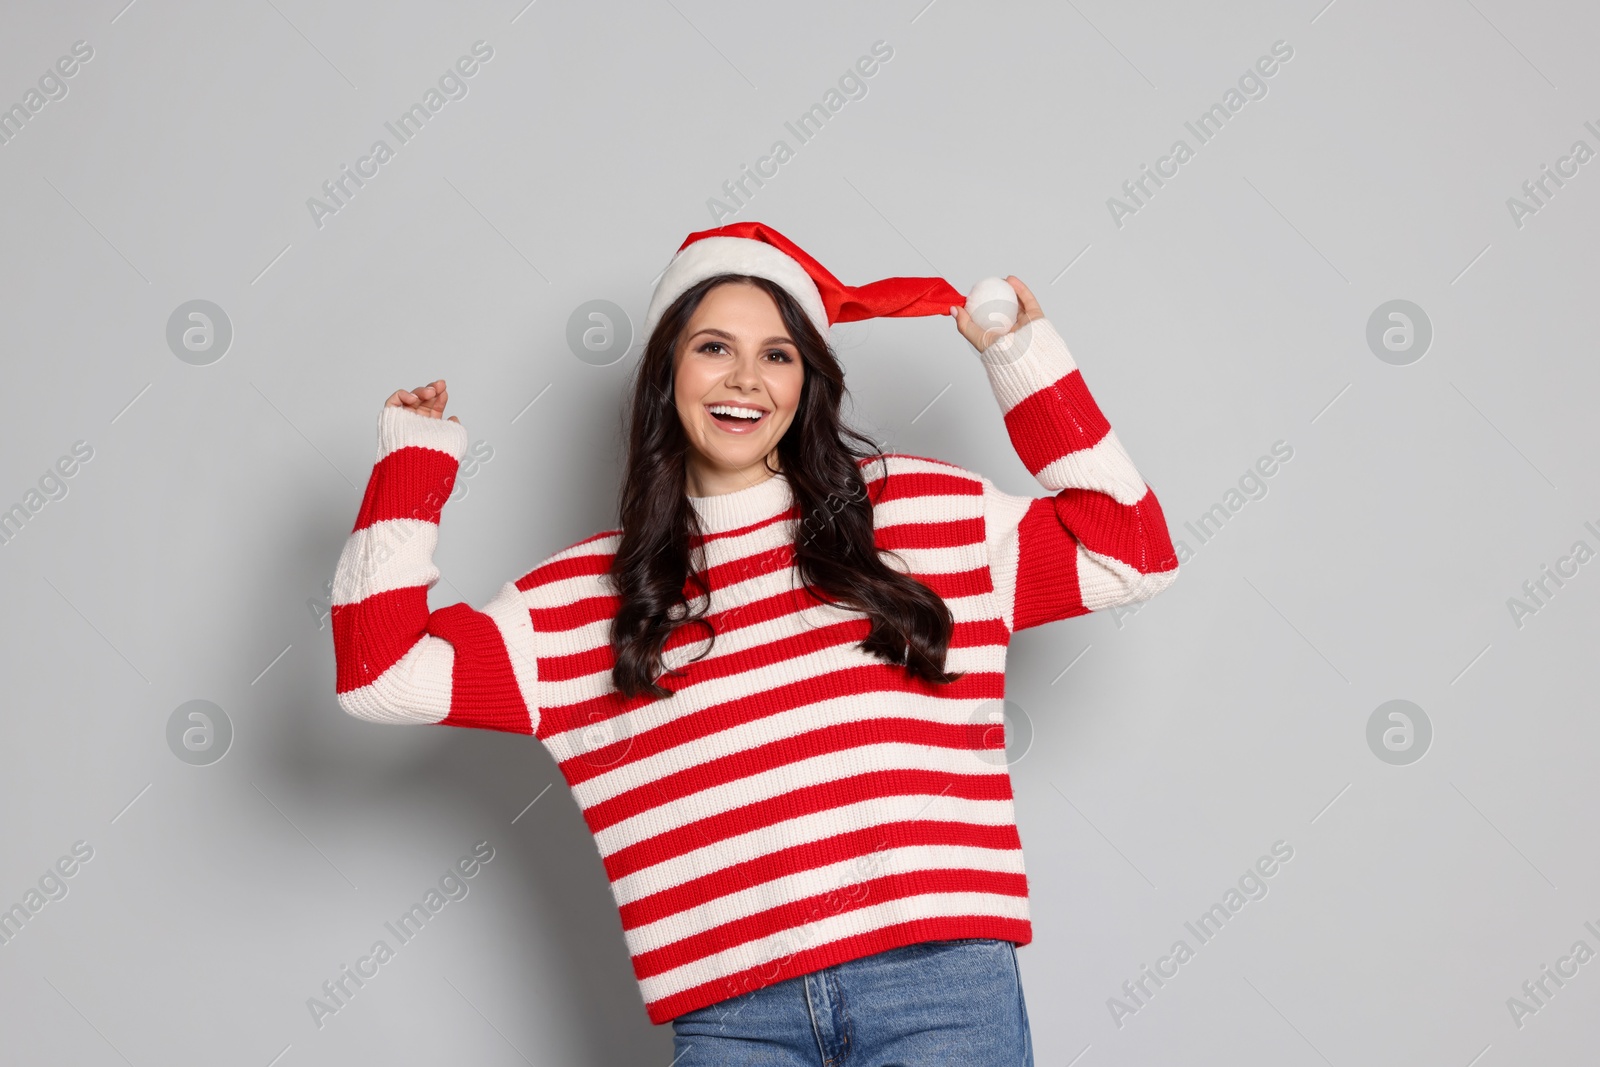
x=1030 y=303
x=967 y=327
x=1025 y=305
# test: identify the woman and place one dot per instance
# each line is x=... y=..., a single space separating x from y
x=773 y=689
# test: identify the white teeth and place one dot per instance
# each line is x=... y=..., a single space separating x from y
x=729 y=409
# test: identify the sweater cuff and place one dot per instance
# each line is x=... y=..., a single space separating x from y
x=1030 y=358
x=400 y=427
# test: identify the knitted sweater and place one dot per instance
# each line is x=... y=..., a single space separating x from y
x=796 y=802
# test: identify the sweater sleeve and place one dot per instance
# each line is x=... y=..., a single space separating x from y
x=1101 y=540
x=397 y=662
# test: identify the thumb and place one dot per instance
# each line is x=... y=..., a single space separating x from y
x=455 y=420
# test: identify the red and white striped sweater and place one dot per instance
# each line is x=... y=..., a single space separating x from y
x=796 y=802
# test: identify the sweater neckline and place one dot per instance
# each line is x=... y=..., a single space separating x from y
x=722 y=512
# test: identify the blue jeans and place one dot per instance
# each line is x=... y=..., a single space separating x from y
x=931 y=1004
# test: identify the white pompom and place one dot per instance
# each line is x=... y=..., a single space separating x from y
x=993 y=304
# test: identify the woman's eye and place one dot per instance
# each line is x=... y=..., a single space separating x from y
x=709 y=345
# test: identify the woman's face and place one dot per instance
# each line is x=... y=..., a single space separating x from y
x=735 y=351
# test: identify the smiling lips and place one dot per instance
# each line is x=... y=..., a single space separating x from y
x=735 y=418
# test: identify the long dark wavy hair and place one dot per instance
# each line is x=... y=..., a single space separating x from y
x=835 y=554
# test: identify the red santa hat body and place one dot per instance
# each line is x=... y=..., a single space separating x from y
x=757 y=249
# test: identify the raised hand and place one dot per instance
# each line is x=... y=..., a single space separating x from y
x=981 y=338
x=427 y=400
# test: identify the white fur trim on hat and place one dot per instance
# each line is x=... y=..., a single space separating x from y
x=735 y=255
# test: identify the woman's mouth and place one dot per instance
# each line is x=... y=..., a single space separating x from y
x=736 y=418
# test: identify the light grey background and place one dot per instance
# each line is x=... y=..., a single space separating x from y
x=1171 y=748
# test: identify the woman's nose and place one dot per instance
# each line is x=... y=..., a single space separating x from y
x=744 y=370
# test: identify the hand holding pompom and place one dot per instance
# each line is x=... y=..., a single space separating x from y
x=991 y=308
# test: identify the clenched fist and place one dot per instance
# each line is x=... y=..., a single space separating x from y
x=427 y=400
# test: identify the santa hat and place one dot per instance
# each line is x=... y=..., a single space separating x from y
x=757 y=249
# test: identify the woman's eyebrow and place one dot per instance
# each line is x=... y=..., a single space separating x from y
x=779 y=339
